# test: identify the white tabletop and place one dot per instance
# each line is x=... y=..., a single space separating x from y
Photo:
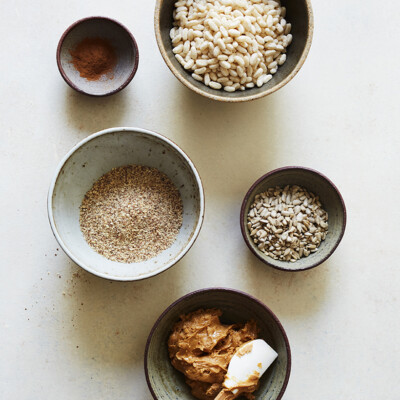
x=66 y=334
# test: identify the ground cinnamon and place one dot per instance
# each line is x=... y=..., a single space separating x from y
x=94 y=57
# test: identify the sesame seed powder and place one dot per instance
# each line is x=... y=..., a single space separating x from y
x=131 y=214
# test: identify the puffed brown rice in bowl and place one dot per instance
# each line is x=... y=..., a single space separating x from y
x=209 y=45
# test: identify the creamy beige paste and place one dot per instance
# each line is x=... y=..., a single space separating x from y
x=201 y=348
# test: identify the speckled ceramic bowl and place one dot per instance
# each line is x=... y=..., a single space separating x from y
x=166 y=383
x=93 y=157
x=121 y=40
x=330 y=198
x=299 y=14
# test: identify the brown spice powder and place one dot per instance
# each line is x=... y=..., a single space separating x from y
x=131 y=214
x=94 y=57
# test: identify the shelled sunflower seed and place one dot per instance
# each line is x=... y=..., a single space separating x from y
x=287 y=224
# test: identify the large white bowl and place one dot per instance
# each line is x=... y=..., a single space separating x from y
x=92 y=158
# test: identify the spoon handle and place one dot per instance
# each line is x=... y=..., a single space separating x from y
x=225 y=395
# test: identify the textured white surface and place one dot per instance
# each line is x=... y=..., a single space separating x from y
x=66 y=334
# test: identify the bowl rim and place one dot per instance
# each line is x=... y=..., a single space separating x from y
x=178 y=73
x=274 y=172
x=94 y=136
x=134 y=47
x=226 y=290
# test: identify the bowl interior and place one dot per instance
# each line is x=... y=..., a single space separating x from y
x=120 y=40
x=298 y=14
x=331 y=202
x=98 y=156
x=168 y=383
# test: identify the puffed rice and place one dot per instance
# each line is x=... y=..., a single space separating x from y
x=245 y=40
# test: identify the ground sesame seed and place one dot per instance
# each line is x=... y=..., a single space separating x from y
x=131 y=214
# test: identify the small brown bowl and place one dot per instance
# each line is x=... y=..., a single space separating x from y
x=330 y=198
x=299 y=14
x=120 y=39
x=167 y=383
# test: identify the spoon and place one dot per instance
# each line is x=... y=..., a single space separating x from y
x=246 y=367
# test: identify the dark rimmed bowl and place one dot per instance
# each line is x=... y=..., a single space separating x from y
x=330 y=198
x=166 y=383
x=121 y=40
x=299 y=14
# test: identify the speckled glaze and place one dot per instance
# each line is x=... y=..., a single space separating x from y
x=92 y=158
x=166 y=383
x=330 y=198
x=299 y=14
x=122 y=41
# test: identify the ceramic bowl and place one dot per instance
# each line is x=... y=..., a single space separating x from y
x=120 y=39
x=166 y=383
x=96 y=155
x=330 y=198
x=299 y=14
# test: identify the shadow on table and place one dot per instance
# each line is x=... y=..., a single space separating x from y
x=111 y=320
x=290 y=294
x=91 y=114
x=231 y=144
